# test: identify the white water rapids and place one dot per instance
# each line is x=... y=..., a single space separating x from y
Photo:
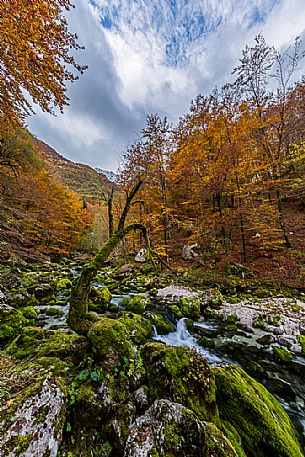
x=182 y=337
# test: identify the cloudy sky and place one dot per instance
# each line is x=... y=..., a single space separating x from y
x=153 y=56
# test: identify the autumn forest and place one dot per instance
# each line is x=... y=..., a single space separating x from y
x=228 y=177
x=159 y=310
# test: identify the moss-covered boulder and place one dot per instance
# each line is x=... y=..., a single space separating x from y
x=136 y=304
x=261 y=422
x=175 y=311
x=213 y=298
x=180 y=375
x=100 y=298
x=110 y=341
x=35 y=343
x=282 y=354
x=170 y=429
x=30 y=314
x=139 y=328
x=11 y=323
x=162 y=325
x=63 y=286
x=52 y=311
x=190 y=307
x=44 y=293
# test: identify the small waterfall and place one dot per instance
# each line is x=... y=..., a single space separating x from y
x=182 y=337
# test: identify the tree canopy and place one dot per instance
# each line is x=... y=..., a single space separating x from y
x=35 y=57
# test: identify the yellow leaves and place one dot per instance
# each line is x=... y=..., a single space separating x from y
x=41 y=211
x=34 y=50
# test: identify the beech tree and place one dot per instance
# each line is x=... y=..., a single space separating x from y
x=35 y=59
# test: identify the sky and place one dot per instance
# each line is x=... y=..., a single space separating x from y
x=153 y=56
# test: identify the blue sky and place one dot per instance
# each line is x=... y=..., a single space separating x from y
x=153 y=56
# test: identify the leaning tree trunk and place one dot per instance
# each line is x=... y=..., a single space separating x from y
x=79 y=319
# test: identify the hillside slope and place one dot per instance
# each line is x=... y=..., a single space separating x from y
x=82 y=179
x=47 y=203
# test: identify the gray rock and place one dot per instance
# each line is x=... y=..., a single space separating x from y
x=169 y=428
x=265 y=340
x=141 y=256
x=284 y=342
x=125 y=269
x=44 y=434
x=173 y=294
x=188 y=252
x=141 y=398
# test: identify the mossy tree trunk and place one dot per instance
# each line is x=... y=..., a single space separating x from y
x=79 y=319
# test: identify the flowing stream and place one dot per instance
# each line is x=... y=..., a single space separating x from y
x=182 y=337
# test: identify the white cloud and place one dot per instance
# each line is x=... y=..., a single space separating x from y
x=153 y=56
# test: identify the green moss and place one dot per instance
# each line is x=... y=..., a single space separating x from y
x=63 y=284
x=262 y=293
x=214 y=299
x=282 y=353
x=302 y=343
x=11 y=323
x=206 y=342
x=190 y=307
x=180 y=375
x=234 y=438
x=261 y=422
x=7 y=333
x=232 y=300
x=110 y=340
x=231 y=328
x=101 y=296
x=232 y=318
x=136 y=304
x=18 y=444
x=37 y=342
x=211 y=314
x=217 y=444
x=260 y=323
x=86 y=394
x=176 y=311
x=274 y=320
x=139 y=328
x=55 y=365
x=236 y=269
x=23 y=379
x=52 y=311
x=163 y=326
x=30 y=314
x=296 y=308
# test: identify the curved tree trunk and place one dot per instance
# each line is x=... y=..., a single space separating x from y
x=79 y=319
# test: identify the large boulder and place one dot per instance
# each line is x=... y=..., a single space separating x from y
x=261 y=422
x=110 y=341
x=32 y=408
x=37 y=343
x=169 y=428
x=100 y=298
x=139 y=328
x=180 y=375
x=35 y=428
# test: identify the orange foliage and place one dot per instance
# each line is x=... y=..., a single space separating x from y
x=38 y=215
x=34 y=50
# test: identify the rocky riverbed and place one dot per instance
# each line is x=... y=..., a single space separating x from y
x=130 y=388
